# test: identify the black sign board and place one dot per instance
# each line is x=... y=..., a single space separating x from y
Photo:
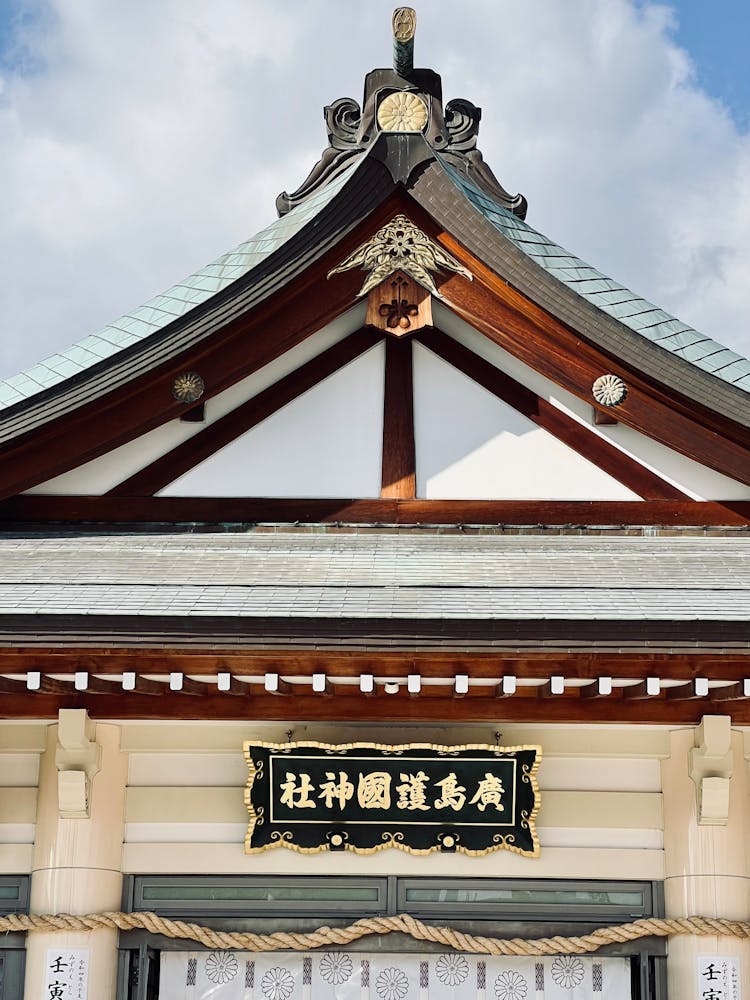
x=419 y=797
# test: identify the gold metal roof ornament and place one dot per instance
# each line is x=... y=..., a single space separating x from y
x=400 y=246
x=404 y=28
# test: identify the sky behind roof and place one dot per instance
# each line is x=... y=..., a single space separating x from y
x=141 y=140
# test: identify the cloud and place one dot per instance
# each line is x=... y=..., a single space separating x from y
x=141 y=140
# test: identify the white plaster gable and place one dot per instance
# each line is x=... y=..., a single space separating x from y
x=326 y=443
x=472 y=446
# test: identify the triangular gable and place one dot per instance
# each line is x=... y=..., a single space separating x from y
x=637 y=370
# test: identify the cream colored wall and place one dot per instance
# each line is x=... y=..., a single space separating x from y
x=601 y=814
x=20 y=747
x=618 y=802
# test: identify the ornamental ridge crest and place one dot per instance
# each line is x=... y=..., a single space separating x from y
x=400 y=246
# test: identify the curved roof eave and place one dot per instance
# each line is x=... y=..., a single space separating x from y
x=191 y=310
x=548 y=275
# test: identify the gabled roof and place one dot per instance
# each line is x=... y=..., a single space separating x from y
x=270 y=293
x=133 y=338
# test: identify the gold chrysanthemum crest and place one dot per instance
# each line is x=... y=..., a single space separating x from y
x=188 y=387
x=400 y=246
x=402 y=112
x=609 y=390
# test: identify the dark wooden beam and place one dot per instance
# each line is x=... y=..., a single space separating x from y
x=398 y=708
x=197 y=449
x=513 y=322
x=591 y=446
x=9 y=685
x=399 y=471
x=733 y=665
x=75 y=510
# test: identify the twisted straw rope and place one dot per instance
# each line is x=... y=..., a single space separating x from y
x=328 y=936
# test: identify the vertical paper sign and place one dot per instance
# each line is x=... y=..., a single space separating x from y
x=66 y=974
x=718 y=978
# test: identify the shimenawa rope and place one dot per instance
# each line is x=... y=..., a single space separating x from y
x=323 y=937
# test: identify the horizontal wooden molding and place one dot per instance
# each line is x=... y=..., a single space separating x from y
x=34 y=509
x=65 y=660
x=479 y=705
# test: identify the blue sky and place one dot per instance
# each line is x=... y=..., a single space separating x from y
x=143 y=138
x=716 y=33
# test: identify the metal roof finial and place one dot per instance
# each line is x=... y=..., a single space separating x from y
x=404 y=29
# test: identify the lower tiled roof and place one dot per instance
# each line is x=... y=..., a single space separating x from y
x=377 y=575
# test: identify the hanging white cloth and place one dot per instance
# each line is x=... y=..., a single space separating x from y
x=341 y=975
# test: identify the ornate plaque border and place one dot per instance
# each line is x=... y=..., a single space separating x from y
x=286 y=838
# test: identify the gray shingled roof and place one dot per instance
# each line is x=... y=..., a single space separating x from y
x=610 y=296
x=384 y=575
x=163 y=309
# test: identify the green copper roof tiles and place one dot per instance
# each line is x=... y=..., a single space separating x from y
x=163 y=309
x=640 y=315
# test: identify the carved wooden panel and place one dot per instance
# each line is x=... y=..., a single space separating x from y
x=399 y=305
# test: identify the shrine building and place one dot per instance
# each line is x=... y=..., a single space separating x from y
x=374 y=612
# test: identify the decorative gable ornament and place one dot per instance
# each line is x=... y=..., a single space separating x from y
x=400 y=246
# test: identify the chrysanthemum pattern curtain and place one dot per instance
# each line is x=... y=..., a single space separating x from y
x=340 y=975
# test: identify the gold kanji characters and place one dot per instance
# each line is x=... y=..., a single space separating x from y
x=291 y=791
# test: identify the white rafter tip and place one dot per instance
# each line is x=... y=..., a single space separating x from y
x=461 y=684
x=414 y=683
x=653 y=685
x=701 y=687
x=271 y=682
x=34 y=680
x=510 y=685
x=128 y=681
x=81 y=680
x=557 y=685
x=319 y=683
x=746 y=687
x=175 y=682
x=366 y=683
x=223 y=681
x=605 y=685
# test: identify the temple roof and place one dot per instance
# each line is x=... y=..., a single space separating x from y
x=296 y=575
x=439 y=165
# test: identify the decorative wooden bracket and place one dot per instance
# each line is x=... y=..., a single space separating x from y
x=711 y=768
x=399 y=305
x=78 y=759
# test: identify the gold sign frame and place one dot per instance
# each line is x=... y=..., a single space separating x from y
x=260 y=756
